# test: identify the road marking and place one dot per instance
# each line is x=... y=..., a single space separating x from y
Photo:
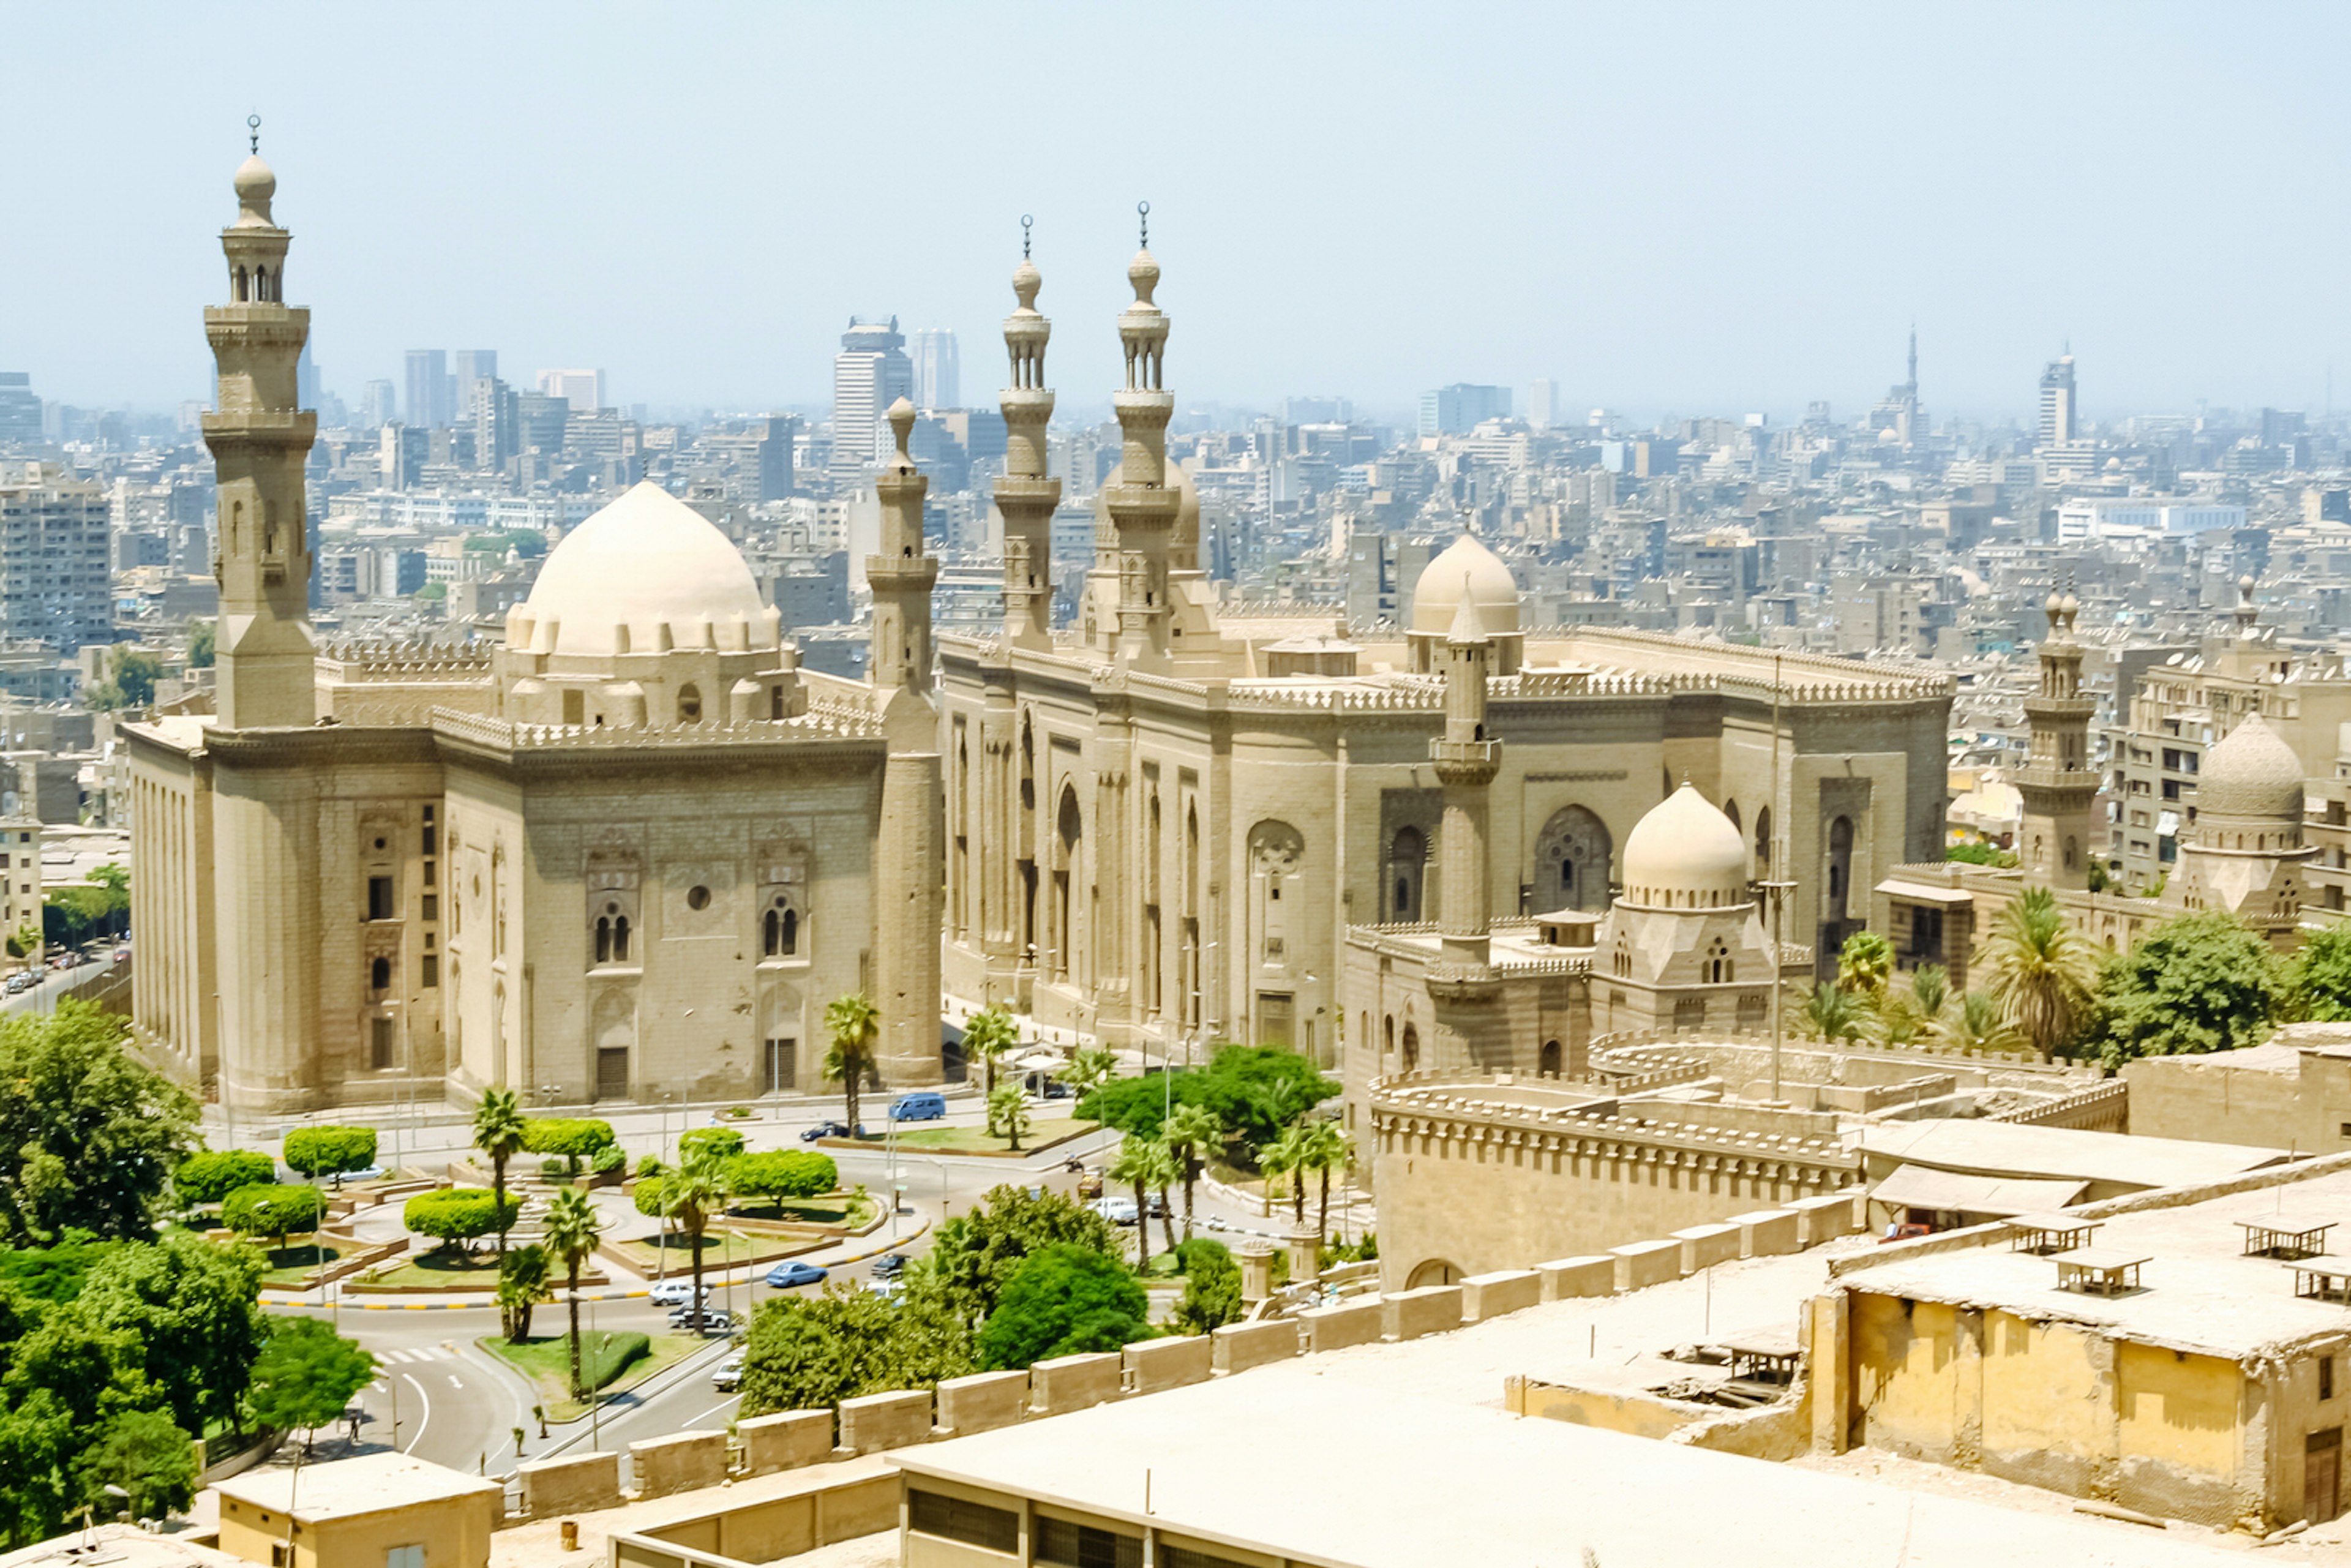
x=714 y=1410
x=424 y=1420
x=455 y=1383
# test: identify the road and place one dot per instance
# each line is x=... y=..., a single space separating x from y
x=56 y=983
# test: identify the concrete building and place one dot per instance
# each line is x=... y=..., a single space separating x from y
x=432 y=398
x=20 y=412
x=937 y=369
x=55 y=580
x=871 y=373
x=369 y=1508
x=1462 y=407
x=2060 y=421
x=630 y=850
x=582 y=390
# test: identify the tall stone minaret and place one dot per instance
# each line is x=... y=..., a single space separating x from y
x=1465 y=763
x=2057 y=785
x=259 y=441
x=1143 y=505
x=1026 y=495
x=910 y=852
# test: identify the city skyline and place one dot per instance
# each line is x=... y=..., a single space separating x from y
x=615 y=200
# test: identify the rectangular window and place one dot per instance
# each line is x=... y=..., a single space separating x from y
x=405 y=1557
x=379 y=1043
x=432 y=839
x=1068 y=1545
x=432 y=970
x=432 y=906
x=2326 y=1377
x=431 y=869
x=1185 y=1557
x=379 y=904
x=428 y=813
x=959 y=1518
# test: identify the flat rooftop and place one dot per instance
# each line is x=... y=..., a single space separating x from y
x=119 y=1547
x=2199 y=1291
x=1364 y=1480
x=340 y=1489
x=2014 y=1149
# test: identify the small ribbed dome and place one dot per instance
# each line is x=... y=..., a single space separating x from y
x=1143 y=273
x=1685 y=854
x=255 y=184
x=1026 y=281
x=1437 y=594
x=2250 y=773
x=646 y=561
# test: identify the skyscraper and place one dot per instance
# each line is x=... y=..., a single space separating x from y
x=582 y=390
x=53 y=559
x=2058 y=420
x=937 y=377
x=472 y=367
x=1543 y=403
x=20 y=411
x=428 y=402
x=871 y=373
x=1461 y=408
x=378 y=405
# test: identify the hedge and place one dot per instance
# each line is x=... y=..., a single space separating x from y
x=575 y=1137
x=329 y=1151
x=718 y=1143
x=785 y=1173
x=604 y=1356
x=271 y=1209
x=458 y=1214
x=213 y=1174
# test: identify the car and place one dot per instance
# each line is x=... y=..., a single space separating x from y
x=729 y=1375
x=708 y=1321
x=1056 y=1090
x=789 y=1275
x=122 y=954
x=674 y=1292
x=832 y=1130
x=890 y=1265
x=1117 y=1210
x=1156 y=1205
x=921 y=1106
x=886 y=1290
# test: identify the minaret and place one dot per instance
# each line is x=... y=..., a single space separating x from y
x=1466 y=763
x=1143 y=505
x=259 y=441
x=2056 y=783
x=1025 y=495
x=909 y=851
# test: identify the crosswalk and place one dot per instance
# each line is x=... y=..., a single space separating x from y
x=426 y=1353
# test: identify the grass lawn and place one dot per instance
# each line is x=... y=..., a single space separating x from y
x=546 y=1360
x=840 y=1208
x=720 y=1249
x=976 y=1140
x=444 y=1267
x=289 y=1266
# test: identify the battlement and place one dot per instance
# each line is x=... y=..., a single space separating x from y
x=821 y=723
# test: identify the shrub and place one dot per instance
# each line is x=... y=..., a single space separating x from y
x=574 y=1138
x=1063 y=1300
x=457 y=1215
x=720 y=1142
x=650 y=1166
x=329 y=1151
x=271 y=1209
x=211 y=1175
x=1212 y=1287
x=648 y=1195
x=604 y=1356
x=609 y=1160
x=786 y=1172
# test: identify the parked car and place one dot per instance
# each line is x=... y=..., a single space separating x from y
x=922 y=1106
x=729 y=1375
x=832 y=1130
x=887 y=1290
x=1056 y=1090
x=787 y=1275
x=674 y=1292
x=1117 y=1210
x=890 y=1265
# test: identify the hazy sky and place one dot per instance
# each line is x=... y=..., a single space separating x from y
x=1701 y=209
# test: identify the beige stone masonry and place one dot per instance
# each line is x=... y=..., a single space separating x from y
x=1153 y=1364
x=880 y=1421
x=1827 y=1217
x=1240 y=1346
x=1069 y=1383
x=785 y=1440
x=1485 y=1296
x=1769 y=1233
x=1350 y=1323
x=579 y=1484
x=682 y=1461
x=1432 y=1309
x=1570 y=1278
x=1640 y=1263
x=1703 y=1246
x=982 y=1402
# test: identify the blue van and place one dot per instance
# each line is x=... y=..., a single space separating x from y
x=919 y=1108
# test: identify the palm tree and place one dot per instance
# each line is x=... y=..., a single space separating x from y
x=1865 y=963
x=854 y=1024
x=1329 y=1149
x=690 y=1197
x=1169 y=1170
x=1289 y=1155
x=2043 y=969
x=1145 y=1164
x=985 y=1038
x=1089 y=1070
x=1976 y=1025
x=1931 y=989
x=522 y=1285
x=1191 y=1132
x=572 y=1230
x=1008 y=1111
x=1833 y=1014
x=498 y=1132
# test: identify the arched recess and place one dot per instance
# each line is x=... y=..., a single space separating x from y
x=1407 y=863
x=1572 y=856
x=613 y=1035
x=783 y=1028
x=1764 y=843
x=1277 y=852
x=1547 y=1064
x=1836 y=882
x=1069 y=850
x=1435 y=1271
x=1411 y=1047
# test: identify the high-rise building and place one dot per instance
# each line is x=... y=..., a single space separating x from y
x=583 y=390
x=1543 y=403
x=429 y=397
x=871 y=373
x=496 y=416
x=20 y=411
x=1316 y=411
x=2058 y=417
x=306 y=380
x=938 y=382
x=54 y=581
x=1461 y=408
x=471 y=367
x=541 y=419
x=378 y=405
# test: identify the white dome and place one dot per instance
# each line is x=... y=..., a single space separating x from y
x=1437 y=595
x=2250 y=773
x=645 y=562
x=1685 y=854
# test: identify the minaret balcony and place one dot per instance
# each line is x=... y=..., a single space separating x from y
x=2039 y=707
x=1465 y=761
x=1142 y=506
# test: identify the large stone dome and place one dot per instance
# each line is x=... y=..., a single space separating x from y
x=644 y=574
x=1437 y=597
x=1685 y=854
x=2250 y=773
x=1187 y=503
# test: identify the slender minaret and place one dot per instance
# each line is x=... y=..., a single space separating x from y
x=1026 y=495
x=1466 y=763
x=910 y=850
x=2057 y=786
x=259 y=440
x=1143 y=505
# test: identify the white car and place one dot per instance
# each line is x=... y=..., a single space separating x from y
x=675 y=1292
x=1117 y=1210
x=729 y=1375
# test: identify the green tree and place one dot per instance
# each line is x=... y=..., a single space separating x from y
x=987 y=1036
x=2043 y=970
x=89 y=1137
x=573 y=1229
x=1978 y=854
x=1065 y=1301
x=972 y=1255
x=40 y=1489
x=1328 y=1149
x=274 y=1210
x=1145 y=1164
x=1865 y=963
x=1976 y=1024
x=1288 y=1156
x=455 y=1216
x=689 y=1199
x=149 y=1456
x=203 y=639
x=307 y=1374
x=211 y=1175
x=572 y=1139
x=1190 y=1134
x=1254 y=1092
x=329 y=1151
x=2196 y=983
x=1832 y=1013
x=2318 y=980
x=853 y=1026
x=1212 y=1288
x=811 y=1353
x=1089 y=1070
x=193 y=1309
x=132 y=685
x=1008 y=1113
x=523 y=1274
x=713 y=1142
x=784 y=1173
x=500 y=1132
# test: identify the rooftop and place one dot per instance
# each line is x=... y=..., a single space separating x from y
x=365 y=1483
x=119 y=1547
x=2014 y=1149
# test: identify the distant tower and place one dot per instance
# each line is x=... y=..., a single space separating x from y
x=2057 y=782
x=260 y=438
x=938 y=374
x=1143 y=505
x=1912 y=384
x=910 y=853
x=2058 y=417
x=1025 y=494
x=870 y=373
